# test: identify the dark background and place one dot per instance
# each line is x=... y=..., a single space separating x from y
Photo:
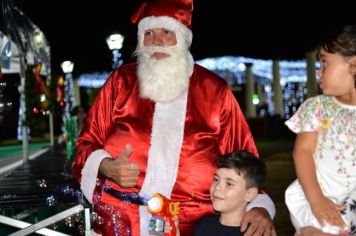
x=76 y=30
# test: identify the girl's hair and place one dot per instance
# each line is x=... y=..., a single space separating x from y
x=248 y=166
x=342 y=41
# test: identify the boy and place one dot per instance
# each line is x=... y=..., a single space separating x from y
x=238 y=177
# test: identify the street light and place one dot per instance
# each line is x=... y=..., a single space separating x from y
x=114 y=42
x=67 y=66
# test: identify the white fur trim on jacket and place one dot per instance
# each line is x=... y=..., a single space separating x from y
x=264 y=201
x=93 y=233
x=165 y=22
x=164 y=153
x=90 y=172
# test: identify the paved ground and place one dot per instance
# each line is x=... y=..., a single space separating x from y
x=11 y=156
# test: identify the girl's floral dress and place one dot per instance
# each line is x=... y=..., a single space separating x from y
x=334 y=157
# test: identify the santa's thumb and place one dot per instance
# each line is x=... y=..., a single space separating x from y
x=127 y=153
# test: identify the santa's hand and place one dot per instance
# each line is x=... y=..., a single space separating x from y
x=257 y=222
x=121 y=170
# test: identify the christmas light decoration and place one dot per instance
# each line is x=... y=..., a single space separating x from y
x=293 y=77
x=69 y=100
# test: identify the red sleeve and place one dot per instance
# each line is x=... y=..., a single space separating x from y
x=97 y=124
x=235 y=132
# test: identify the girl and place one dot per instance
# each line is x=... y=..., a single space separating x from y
x=324 y=195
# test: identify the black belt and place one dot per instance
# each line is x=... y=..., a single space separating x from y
x=129 y=197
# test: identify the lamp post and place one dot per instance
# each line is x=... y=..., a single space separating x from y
x=114 y=42
x=69 y=101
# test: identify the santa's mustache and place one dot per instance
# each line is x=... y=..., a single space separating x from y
x=148 y=51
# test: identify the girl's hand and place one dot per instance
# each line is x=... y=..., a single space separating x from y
x=327 y=211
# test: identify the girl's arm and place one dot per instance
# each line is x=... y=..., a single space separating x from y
x=304 y=148
x=322 y=207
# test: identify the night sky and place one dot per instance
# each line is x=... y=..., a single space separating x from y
x=76 y=30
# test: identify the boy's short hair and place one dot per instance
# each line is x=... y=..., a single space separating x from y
x=251 y=168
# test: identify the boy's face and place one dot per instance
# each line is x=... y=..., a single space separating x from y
x=228 y=191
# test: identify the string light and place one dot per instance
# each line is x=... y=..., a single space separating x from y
x=69 y=98
x=293 y=77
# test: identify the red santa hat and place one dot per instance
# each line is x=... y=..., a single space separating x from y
x=174 y=15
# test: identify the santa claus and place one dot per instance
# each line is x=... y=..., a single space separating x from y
x=158 y=126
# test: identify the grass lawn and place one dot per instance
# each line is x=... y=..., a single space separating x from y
x=16 y=150
x=280 y=173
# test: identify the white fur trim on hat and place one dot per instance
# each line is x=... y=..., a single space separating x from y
x=165 y=22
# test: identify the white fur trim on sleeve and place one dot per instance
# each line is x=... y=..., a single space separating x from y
x=93 y=233
x=264 y=201
x=90 y=172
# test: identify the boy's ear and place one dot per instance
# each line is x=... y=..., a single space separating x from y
x=352 y=63
x=251 y=194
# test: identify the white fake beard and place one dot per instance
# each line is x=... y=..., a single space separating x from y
x=163 y=80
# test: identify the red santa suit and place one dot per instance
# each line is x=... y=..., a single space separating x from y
x=175 y=144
